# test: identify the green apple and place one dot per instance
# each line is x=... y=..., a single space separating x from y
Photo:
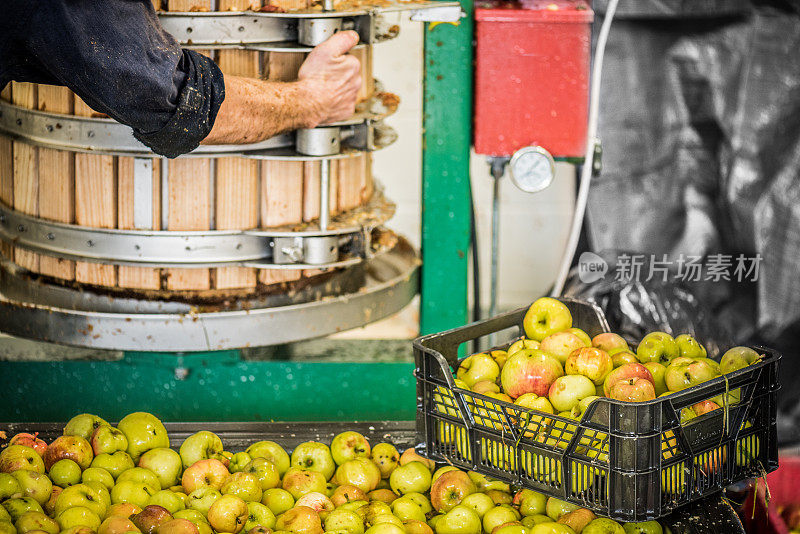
x=239 y=461
x=265 y=471
x=690 y=347
x=561 y=344
x=30 y=521
x=530 y=502
x=499 y=515
x=511 y=528
x=442 y=470
x=532 y=520
x=200 y=446
x=96 y=474
x=298 y=482
x=714 y=365
x=246 y=486
x=115 y=464
x=386 y=457
x=168 y=500
x=300 y=519
x=16 y=457
x=659 y=372
x=259 y=514
x=546 y=316
x=165 y=463
x=657 y=347
x=385 y=528
x=484 y=483
x=65 y=473
x=555 y=508
x=81 y=495
x=144 y=432
x=141 y=474
x=272 y=452
x=16 y=506
x=78 y=516
x=72 y=447
x=229 y=513
x=34 y=485
x=349 y=446
x=359 y=472
x=459 y=520
x=6 y=527
x=413 y=476
x=314 y=456
x=477 y=368
x=131 y=491
x=278 y=500
x=372 y=510
x=344 y=520
x=480 y=502
x=621 y=358
x=583 y=336
x=520 y=344
x=194 y=516
x=9 y=486
x=566 y=391
x=645 y=527
x=603 y=525
x=83 y=425
x=407 y=509
x=202 y=498
x=738 y=358
x=107 y=439
x=681 y=376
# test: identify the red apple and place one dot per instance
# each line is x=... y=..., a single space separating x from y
x=74 y=448
x=300 y=519
x=347 y=493
x=703 y=407
x=633 y=390
x=177 y=526
x=29 y=440
x=210 y=472
x=593 y=363
x=411 y=455
x=316 y=501
x=626 y=372
x=450 y=489
x=483 y=387
x=150 y=518
x=610 y=342
x=529 y=371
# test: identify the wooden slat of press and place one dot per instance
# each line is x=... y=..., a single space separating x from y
x=25 y=173
x=364 y=56
x=189 y=193
x=282 y=181
x=128 y=276
x=95 y=203
x=6 y=174
x=237 y=178
x=56 y=180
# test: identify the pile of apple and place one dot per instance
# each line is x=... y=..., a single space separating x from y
x=559 y=369
x=98 y=479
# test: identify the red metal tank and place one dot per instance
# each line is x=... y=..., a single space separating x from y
x=532 y=76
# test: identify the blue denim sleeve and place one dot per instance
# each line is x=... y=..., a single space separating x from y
x=115 y=55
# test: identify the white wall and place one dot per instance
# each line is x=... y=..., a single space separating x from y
x=533 y=227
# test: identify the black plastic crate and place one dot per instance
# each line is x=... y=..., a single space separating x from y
x=628 y=461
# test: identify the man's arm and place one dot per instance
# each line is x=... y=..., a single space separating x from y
x=326 y=91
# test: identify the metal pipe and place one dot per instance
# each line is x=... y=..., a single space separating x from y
x=498 y=168
x=324 y=194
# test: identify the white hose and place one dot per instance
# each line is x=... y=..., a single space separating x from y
x=591 y=140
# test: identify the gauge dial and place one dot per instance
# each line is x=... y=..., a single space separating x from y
x=532 y=169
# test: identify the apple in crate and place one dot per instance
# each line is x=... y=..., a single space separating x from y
x=450 y=489
x=567 y=391
x=591 y=362
x=685 y=375
x=529 y=371
x=561 y=345
x=477 y=368
x=690 y=347
x=610 y=342
x=657 y=347
x=633 y=390
x=626 y=372
x=738 y=358
x=546 y=316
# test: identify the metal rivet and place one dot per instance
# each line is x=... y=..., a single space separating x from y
x=90 y=133
x=137 y=247
x=238 y=246
x=19 y=122
x=241 y=28
x=50 y=128
x=90 y=243
x=20 y=228
x=50 y=236
x=189 y=29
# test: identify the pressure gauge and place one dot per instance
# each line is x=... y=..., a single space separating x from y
x=532 y=169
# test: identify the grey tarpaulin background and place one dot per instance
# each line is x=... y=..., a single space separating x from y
x=700 y=124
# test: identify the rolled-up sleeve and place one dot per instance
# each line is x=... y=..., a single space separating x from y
x=115 y=55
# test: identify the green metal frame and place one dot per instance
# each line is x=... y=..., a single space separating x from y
x=219 y=386
x=446 y=210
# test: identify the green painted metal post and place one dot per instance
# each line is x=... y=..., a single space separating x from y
x=447 y=125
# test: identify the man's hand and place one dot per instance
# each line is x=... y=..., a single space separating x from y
x=331 y=78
